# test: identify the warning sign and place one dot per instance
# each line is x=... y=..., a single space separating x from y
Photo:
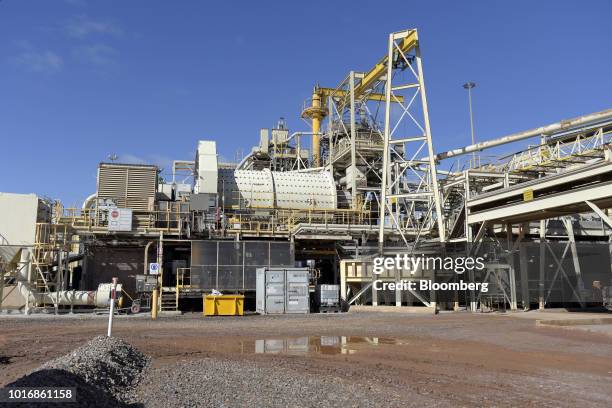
x=120 y=219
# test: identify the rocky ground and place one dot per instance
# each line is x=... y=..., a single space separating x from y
x=101 y=371
x=354 y=359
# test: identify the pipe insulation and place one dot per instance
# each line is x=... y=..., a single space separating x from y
x=543 y=130
x=89 y=201
x=97 y=298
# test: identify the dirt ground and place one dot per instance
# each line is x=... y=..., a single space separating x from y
x=449 y=359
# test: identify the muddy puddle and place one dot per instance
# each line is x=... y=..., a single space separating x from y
x=318 y=345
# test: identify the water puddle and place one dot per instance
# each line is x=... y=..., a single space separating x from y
x=320 y=344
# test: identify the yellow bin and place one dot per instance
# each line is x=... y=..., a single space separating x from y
x=223 y=305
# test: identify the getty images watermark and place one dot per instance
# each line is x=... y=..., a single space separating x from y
x=412 y=264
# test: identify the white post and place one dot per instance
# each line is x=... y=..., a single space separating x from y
x=112 y=307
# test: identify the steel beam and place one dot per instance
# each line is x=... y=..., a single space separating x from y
x=537 y=209
x=599 y=212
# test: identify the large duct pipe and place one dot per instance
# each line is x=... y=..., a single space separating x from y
x=243 y=161
x=316 y=128
x=97 y=298
x=89 y=201
x=543 y=130
x=316 y=112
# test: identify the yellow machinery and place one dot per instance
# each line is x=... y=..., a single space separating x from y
x=223 y=305
x=154 y=304
x=317 y=110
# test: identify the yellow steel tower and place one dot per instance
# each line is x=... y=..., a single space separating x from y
x=316 y=112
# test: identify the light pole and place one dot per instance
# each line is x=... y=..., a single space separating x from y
x=469 y=86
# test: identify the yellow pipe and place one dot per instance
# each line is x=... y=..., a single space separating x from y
x=316 y=127
x=154 y=305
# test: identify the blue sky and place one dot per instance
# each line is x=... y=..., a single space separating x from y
x=80 y=79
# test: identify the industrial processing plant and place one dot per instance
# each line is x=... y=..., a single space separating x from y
x=349 y=231
x=329 y=200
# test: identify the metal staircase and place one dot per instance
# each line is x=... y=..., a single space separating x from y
x=169 y=300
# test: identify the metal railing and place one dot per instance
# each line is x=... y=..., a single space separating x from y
x=96 y=219
x=560 y=153
x=183 y=278
x=286 y=221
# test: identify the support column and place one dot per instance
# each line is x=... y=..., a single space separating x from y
x=524 y=267
x=433 y=301
x=541 y=281
x=160 y=279
x=476 y=244
x=343 y=271
x=572 y=239
x=386 y=157
x=373 y=290
x=511 y=274
x=27 y=257
x=469 y=234
x=398 y=292
x=353 y=167
x=432 y=160
x=58 y=282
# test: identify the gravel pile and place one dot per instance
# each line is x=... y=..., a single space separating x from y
x=227 y=383
x=102 y=370
x=104 y=362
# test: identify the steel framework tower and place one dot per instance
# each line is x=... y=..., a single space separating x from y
x=410 y=201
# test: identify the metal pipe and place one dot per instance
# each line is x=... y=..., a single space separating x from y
x=514 y=137
x=88 y=201
x=316 y=128
x=98 y=298
x=240 y=165
x=146 y=257
x=244 y=160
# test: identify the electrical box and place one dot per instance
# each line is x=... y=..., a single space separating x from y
x=145 y=283
x=202 y=201
x=282 y=290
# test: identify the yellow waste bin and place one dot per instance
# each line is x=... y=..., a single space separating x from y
x=223 y=305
